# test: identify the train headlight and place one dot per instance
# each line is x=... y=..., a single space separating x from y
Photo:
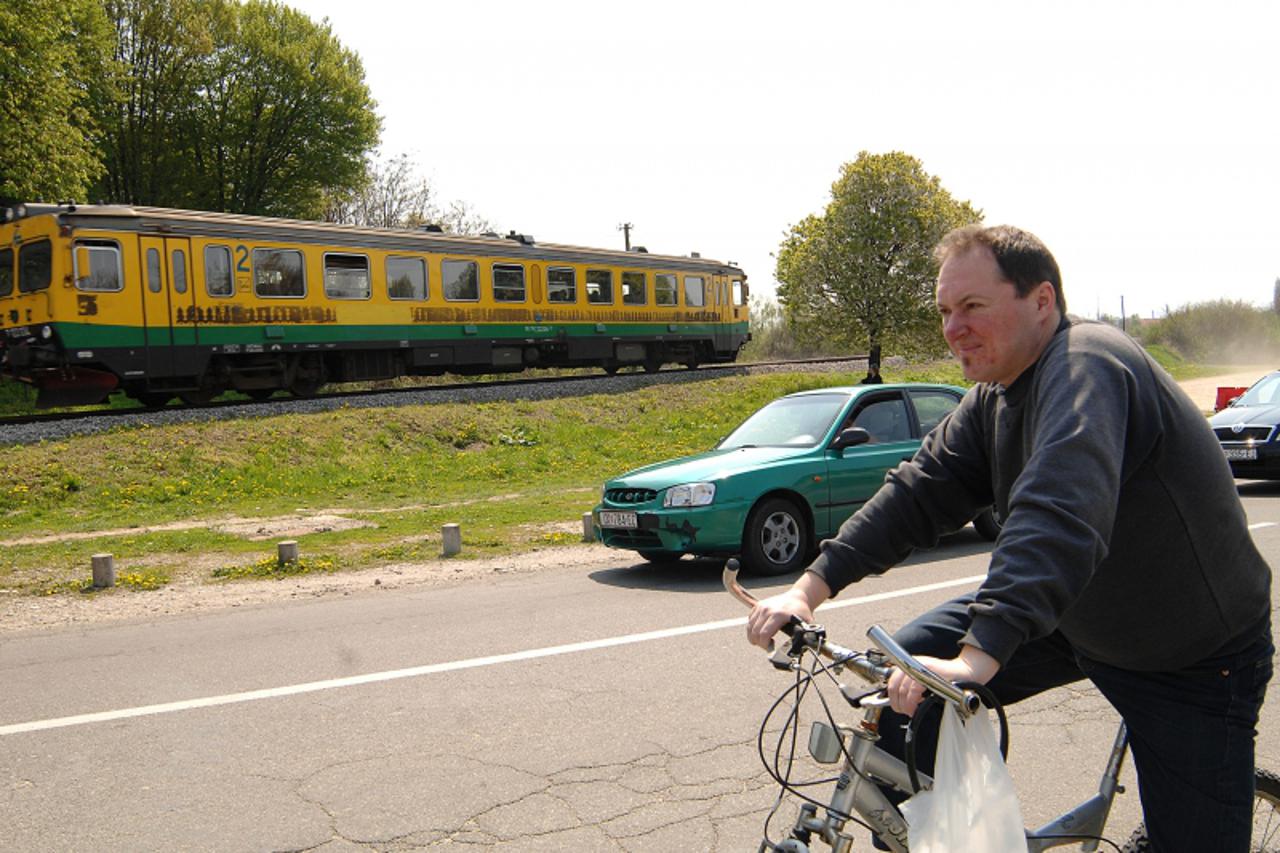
x=46 y=332
x=690 y=494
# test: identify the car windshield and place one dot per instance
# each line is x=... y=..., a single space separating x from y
x=1265 y=392
x=795 y=421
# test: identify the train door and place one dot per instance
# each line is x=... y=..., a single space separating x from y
x=723 y=329
x=166 y=300
x=739 y=297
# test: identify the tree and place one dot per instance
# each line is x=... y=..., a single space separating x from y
x=53 y=64
x=391 y=194
x=862 y=273
x=251 y=108
x=163 y=49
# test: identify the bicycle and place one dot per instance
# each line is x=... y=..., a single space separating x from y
x=858 y=796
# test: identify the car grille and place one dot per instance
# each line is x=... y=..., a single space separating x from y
x=618 y=497
x=634 y=539
x=1252 y=433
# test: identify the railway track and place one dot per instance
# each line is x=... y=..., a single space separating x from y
x=30 y=428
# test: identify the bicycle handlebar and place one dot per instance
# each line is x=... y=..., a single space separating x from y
x=966 y=701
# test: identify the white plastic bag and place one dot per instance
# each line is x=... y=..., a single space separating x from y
x=972 y=807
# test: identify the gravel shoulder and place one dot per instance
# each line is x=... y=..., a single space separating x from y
x=27 y=613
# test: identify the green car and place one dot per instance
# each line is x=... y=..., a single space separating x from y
x=787 y=477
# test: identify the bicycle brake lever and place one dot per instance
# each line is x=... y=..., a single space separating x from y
x=780 y=657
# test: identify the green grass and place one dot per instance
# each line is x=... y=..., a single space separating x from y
x=516 y=476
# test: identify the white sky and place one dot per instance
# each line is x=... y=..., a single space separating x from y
x=1138 y=140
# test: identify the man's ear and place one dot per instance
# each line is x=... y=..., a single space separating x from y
x=1046 y=296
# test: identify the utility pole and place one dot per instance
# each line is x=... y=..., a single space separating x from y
x=1122 y=317
x=625 y=228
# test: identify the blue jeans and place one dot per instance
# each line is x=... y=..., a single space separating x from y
x=1191 y=732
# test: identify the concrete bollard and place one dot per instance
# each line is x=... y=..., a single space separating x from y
x=588 y=528
x=452 y=536
x=104 y=571
x=287 y=551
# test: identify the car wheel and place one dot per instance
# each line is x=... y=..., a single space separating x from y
x=988 y=524
x=776 y=539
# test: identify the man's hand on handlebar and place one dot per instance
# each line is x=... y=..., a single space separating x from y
x=770 y=614
x=973 y=665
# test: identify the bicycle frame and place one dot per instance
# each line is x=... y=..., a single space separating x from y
x=855 y=794
x=864 y=761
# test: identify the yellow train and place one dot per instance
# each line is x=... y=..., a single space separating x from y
x=163 y=303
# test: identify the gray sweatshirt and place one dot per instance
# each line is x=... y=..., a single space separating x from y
x=1122 y=525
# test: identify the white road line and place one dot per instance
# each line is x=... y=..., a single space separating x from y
x=451 y=666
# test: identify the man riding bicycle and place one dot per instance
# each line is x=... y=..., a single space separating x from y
x=1125 y=556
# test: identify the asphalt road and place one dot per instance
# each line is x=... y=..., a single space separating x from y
x=610 y=710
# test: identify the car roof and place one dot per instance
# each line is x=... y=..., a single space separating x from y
x=855 y=390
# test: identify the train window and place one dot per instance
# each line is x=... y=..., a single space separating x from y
x=600 y=287
x=6 y=272
x=278 y=272
x=406 y=278
x=562 y=284
x=104 y=272
x=633 y=288
x=695 y=291
x=739 y=293
x=180 y=271
x=508 y=283
x=35 y=266
x=461 y=281
x=217 y=271
x=153 y=270
x=346 y=277
x=664 y=289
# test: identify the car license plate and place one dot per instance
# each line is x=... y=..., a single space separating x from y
x=1241 y=452
x=625 y=520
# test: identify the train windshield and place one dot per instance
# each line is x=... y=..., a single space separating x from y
x=790 y=421
x=35 y=266
x=6 y=272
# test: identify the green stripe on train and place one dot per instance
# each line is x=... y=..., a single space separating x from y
x=83 y=336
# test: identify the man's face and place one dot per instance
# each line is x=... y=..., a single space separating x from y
x=995 y=334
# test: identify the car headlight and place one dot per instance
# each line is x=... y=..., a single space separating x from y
x=690 y=494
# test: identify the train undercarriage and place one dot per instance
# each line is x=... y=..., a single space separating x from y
x=199 y=374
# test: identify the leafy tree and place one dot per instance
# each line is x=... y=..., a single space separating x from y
x=391 y=194
x=53 y=64
x=163 y=49
x=251 y=108
x=861 y=274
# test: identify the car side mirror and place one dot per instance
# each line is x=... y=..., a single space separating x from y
x=850 y=437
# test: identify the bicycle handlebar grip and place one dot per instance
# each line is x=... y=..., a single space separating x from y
x=966 y=700
x=793 y=624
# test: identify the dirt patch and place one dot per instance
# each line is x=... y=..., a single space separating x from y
x=1204 y=391
x=296 y=525
x=250 y=528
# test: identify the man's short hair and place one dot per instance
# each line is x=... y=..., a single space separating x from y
x=1024 y=261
